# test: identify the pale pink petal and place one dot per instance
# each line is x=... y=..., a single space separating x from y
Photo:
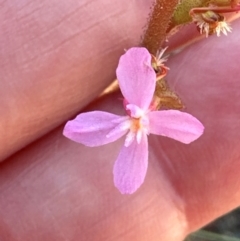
x=136 y=77
x=92 y=128
x=131 y=166
x=175 y=124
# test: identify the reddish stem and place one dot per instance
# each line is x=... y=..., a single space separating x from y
x=214 y=9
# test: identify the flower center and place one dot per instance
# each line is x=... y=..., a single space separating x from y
x=138 y=128
x=138 y=123
x=135 y=124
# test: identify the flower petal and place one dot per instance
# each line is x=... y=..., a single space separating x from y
x=131 y=166
x=136 y=77
x=175 y=124
x=92 y=128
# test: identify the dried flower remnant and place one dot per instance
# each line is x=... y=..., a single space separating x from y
x=181 y=14
x=137 y=81
x=163 y=97
x=210 y=22
x=194 y=10
x=158 y=64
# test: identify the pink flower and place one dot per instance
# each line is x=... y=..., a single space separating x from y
x=137 y=81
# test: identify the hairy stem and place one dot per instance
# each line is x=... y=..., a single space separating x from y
x=158 y=24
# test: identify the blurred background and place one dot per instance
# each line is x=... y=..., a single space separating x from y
x=226 y=228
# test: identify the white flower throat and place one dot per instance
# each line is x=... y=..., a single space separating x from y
x=138 y=124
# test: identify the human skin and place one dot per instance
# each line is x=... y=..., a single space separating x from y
x=56 y=189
